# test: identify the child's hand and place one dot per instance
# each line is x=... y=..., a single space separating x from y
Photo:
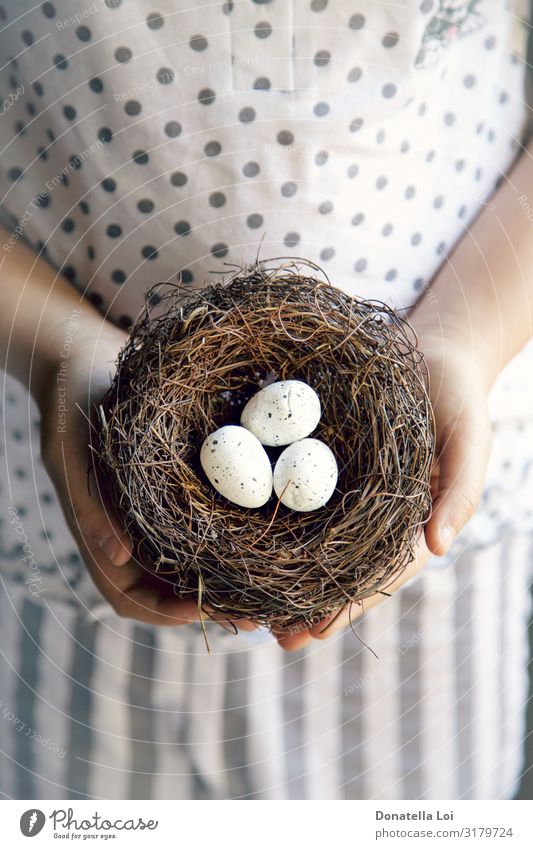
x=459 y=392
x=103 y=543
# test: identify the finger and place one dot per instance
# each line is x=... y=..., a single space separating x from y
x=293 y=642
x=88 y=516
x=144 y=602
x=462 y=466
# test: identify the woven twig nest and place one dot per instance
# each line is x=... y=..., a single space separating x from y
x=190 y=371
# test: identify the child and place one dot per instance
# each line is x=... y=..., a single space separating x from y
x=383 y=143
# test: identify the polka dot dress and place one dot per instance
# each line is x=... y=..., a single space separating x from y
x=154 y=140
x=142 y=142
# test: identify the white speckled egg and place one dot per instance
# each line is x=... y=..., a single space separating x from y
x=305 y=475
x=282 y=412
x=237 y=466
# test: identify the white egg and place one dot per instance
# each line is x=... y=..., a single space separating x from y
x=305 y=475
x=237 y=466
x=282 y=412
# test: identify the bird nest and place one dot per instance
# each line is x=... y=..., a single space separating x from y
x=190 y=370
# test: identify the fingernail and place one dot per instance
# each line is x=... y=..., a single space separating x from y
x=110 y=546
x=447 y=536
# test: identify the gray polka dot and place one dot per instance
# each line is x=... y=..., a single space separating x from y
x=391 y=274
x=353 y=171
x=357 y=22
x=503 y=98
x=198 y=42
x=321 y=109
x=227 y=7
x=354 y=74
x=206 y=96
x=469 y=81
x=430 y=156
x=478 y=174
x=381 y=182
x=449 y=118
x=461 y=211
x=219 y=250
x=426 y=6
x=441 y=248
x=321 y=157
x=360 y=265
x=388 y=90
x=165 y=76
x=262 y=29
x=140 y=157
x=318 y=5
x=490 y=42
x=356 y=125
x=172 y=129
x=123 y=54
x=155 y=20
x=387 y=229
x=416 y=238
x=322 y=58
x=254 y=220
x=132 y=107
x=491 y=136
x=418 y=283
x=422 y=109
x=390 y=39
x=409 y=192
x=405 y=146
x=291 y=240
x=459 y=165
x=247 y=115
x=285 y=137
x=327 y=253
x=438 y=202
x=212 y=148
x=178 y=178
x=262 y=84
x=380 y=136
x=289 y=189
x=217 y=199
x=325 y=207
x=250 y=169
x=145 y=205
x=182 y=228
x=358 y=219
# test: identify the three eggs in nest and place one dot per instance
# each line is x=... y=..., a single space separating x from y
x=237 y=465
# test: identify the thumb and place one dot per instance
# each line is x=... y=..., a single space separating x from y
x=464 y=453
x=90 y=519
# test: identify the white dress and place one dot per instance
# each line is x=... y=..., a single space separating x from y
x=141 y=141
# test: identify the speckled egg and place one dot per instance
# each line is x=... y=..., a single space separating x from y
x=282 y=412
x=305 y=475
x=238 y=466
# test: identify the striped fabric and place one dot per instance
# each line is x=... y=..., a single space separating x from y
x=108 y=708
